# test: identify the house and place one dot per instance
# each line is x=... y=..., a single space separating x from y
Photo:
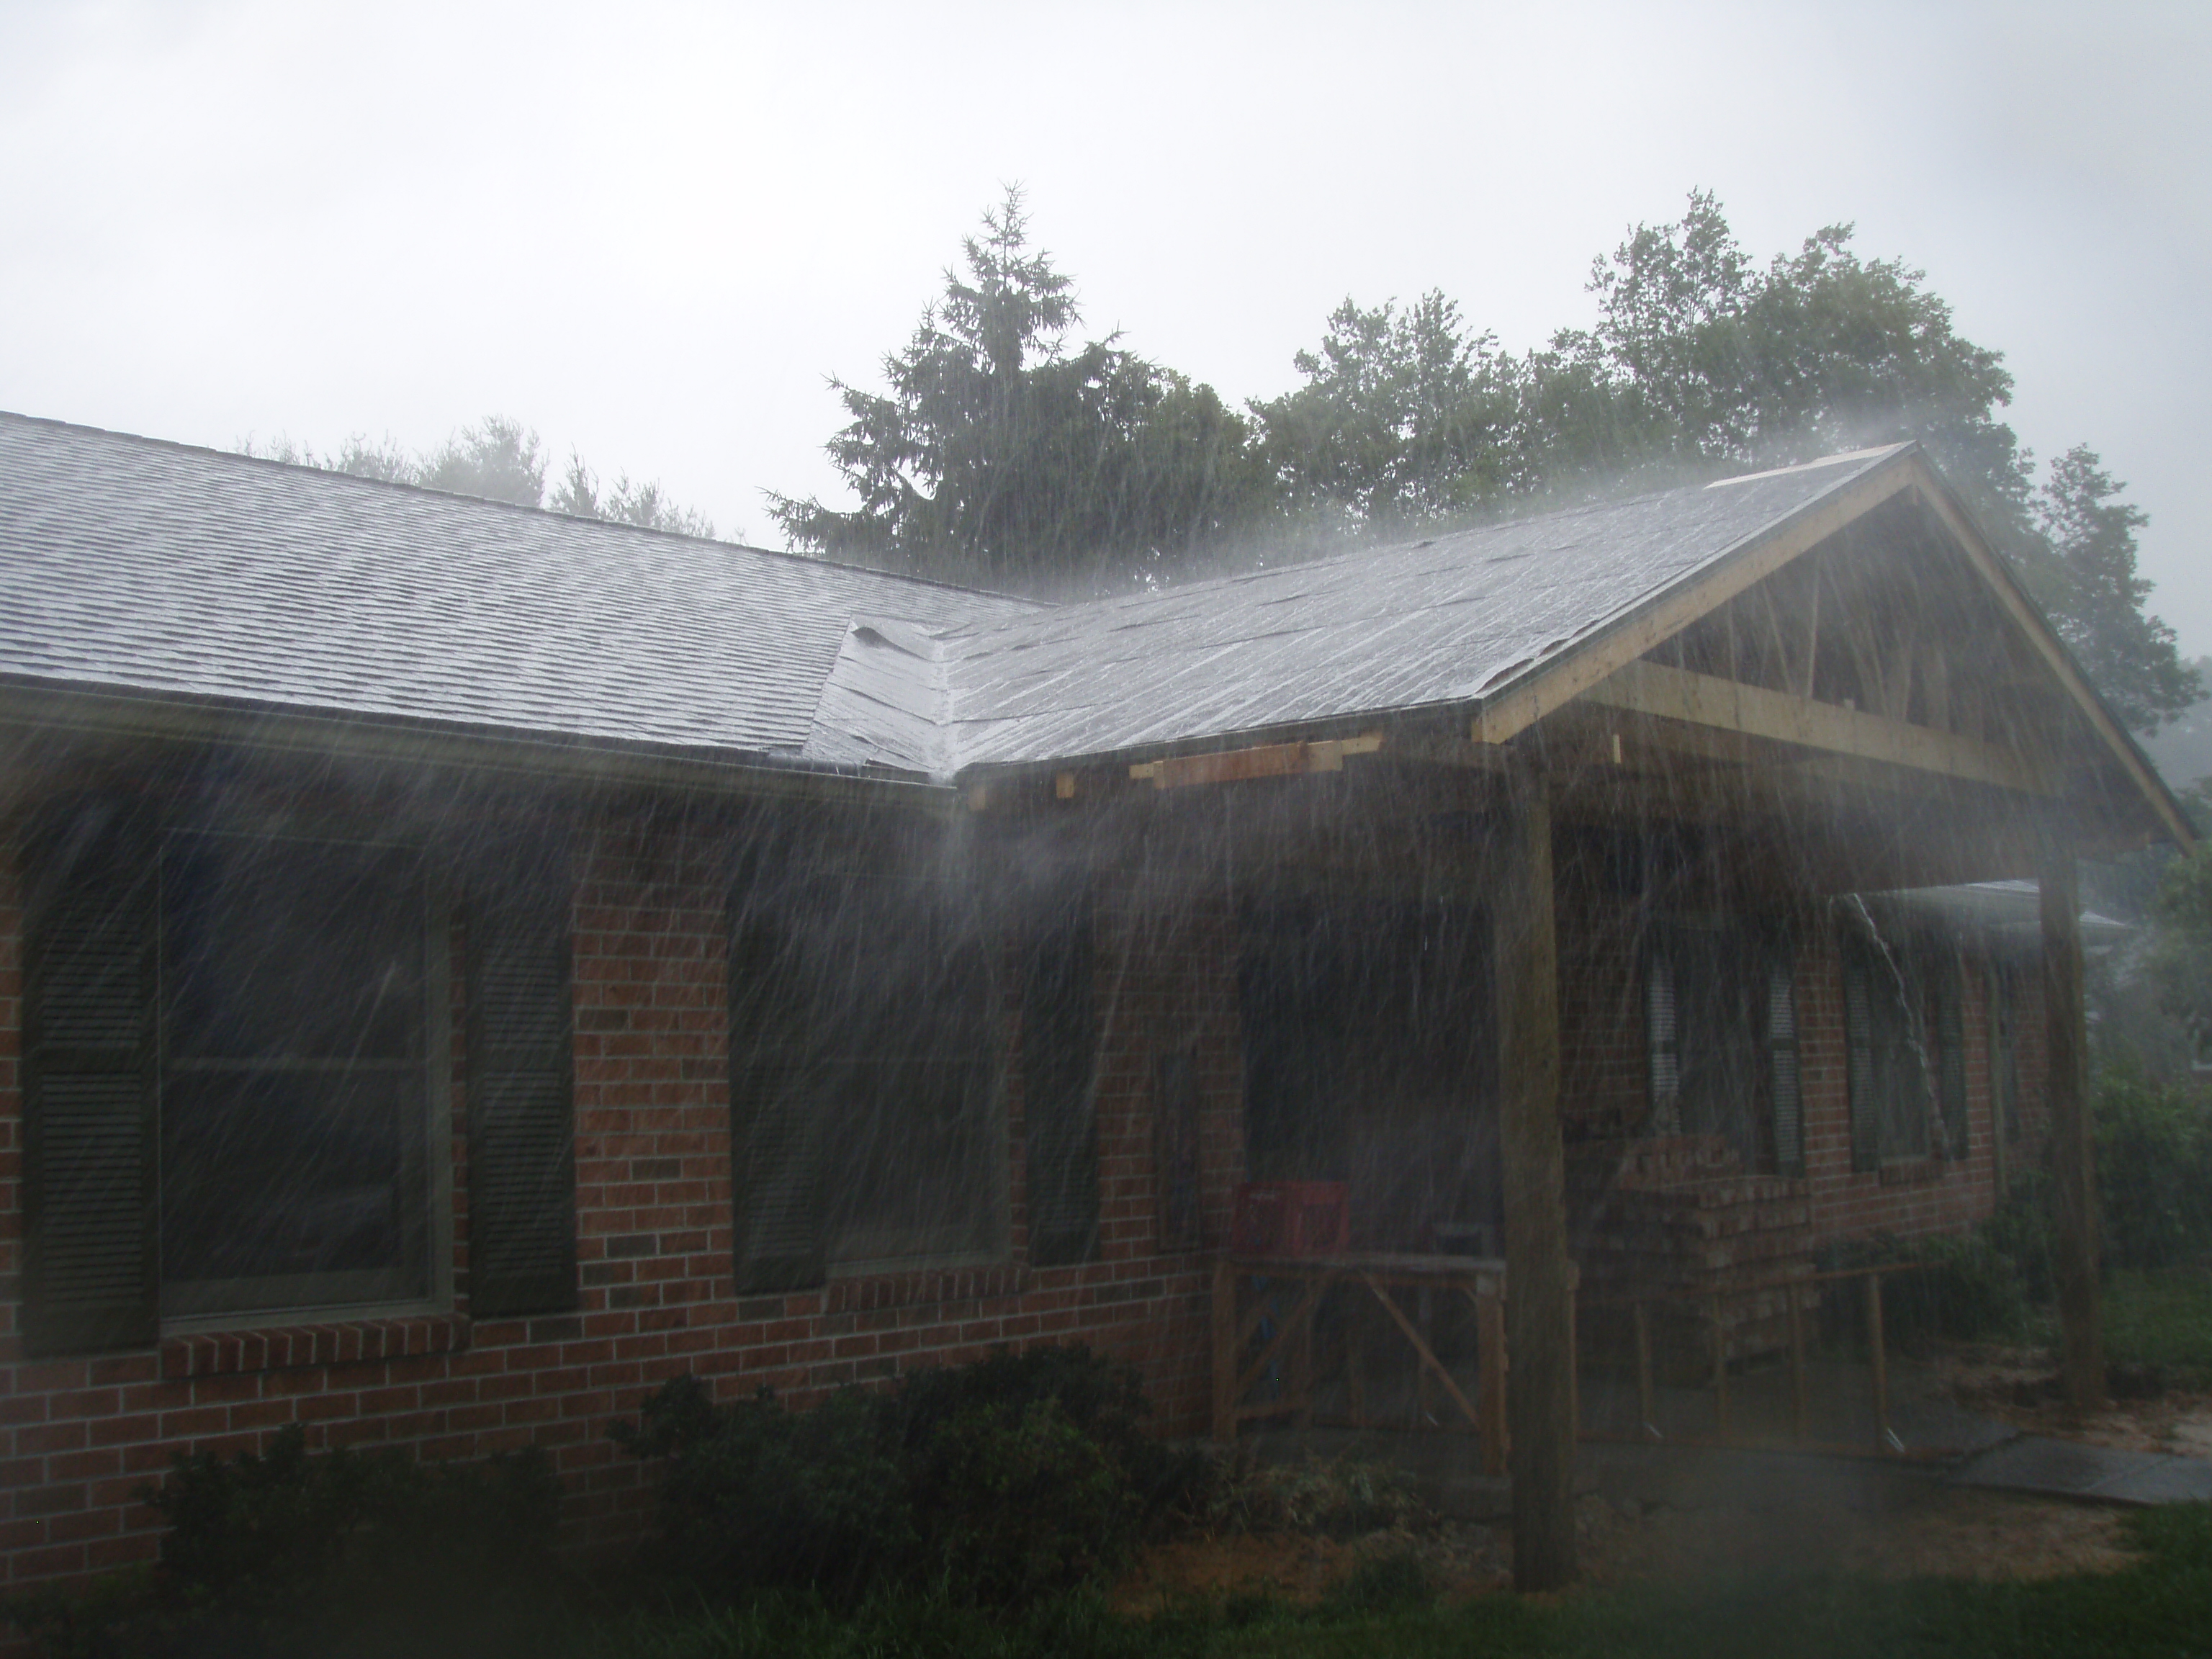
x=467 y=964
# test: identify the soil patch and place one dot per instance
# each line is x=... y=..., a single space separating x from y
x=2019 y=1386
x=1937 y=1531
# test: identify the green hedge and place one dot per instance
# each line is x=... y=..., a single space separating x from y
x=999 y=1482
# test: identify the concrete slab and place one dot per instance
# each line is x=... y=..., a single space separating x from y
x=2103 y=1475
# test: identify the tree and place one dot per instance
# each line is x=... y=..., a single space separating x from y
x=500 y=460
x=1005 y=454
x=1703 y=361
x=645 y=505
x=2097 y=607
x=1405 y=417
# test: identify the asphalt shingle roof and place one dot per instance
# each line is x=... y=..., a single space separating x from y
x=1437 y=621
x=131 y=565
x=153 y=568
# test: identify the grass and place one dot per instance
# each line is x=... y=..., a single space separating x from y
x=2162 y=1319
x=2162 y=1605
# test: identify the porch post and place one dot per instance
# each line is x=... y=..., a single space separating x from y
x=2073 y=1148
x=1539 y=1335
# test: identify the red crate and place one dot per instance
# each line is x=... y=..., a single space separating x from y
x=1290 y=1218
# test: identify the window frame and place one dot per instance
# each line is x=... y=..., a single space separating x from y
x=436 y=1053
x=1930 y=976
x=1671 y=939
x=772 y=878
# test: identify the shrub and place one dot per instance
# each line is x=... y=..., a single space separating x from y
x=285 y=1551
x=1025 y=1503
x=2153 y=1171
x=1334 y=1497
x=2020 y=1231
x=999 y=1481
x=753 y=1495
x=1961 y=1286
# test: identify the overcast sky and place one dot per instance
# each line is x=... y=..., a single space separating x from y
x=651 y=230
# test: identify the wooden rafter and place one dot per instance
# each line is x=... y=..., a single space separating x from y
x=1650 y=688
x=1576 y=672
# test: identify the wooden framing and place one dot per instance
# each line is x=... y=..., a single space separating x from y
x=2074 y=1209
x=1273 y=760
x=1540 y=1384
x=1676 y=694
x=1504 y=718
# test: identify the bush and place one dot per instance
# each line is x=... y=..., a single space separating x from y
x=1335 y=1498
x=284 y=1551
x=2153 y=1171
x=754 y=1495
x=2020 y=1231
x=1960 y=1287
x=998 y=1482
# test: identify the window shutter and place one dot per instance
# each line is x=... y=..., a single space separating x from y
x=777 y=1153
x=1782 y=1064
x=1662 y=1029
x=1059 y=1044
x=90 y=1085
x=1175 y=1151
x=2004 y=1052
x=521 y=1116
x=1858 y=1041
x=1951 y=1055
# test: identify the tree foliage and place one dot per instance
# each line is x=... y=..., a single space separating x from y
x=1005 y=451
x=500 y=460
x=2098 y=602
x=1009 y=453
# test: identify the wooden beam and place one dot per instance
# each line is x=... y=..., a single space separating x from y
x=2073 y=1148
x=2031 y=627
x=1273 y=760
x=1650 y=688
x=1539 y=1289
x=1574 y=671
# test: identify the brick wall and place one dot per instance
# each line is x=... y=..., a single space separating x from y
x=78 y=1436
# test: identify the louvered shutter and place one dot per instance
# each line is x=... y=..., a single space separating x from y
x=1858 y=1041
x=1783 y=1077
x=90 y=1085
x=1662 y=1029
x=1175 y=1151
x=521 y=1117
x=1060 y=1043
x=1951 y=1055
x=776 y=1115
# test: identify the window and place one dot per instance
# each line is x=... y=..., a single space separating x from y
x=293 y=1154
x=1721 y=1023
x=862 y=1076
x=1904 y=1029
x=230 y=1058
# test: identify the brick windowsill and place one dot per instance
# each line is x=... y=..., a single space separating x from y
x=283 y=1347
x=1919 y=1172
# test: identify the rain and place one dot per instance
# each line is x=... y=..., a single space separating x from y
x=1533 y=970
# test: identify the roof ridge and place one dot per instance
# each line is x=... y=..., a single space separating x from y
x=327 y=473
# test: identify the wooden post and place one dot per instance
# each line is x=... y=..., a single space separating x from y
x=2073 y=1150
x=1224 y=1351
x=1798 y=1401
x=1720 y=1368
x=1878 y=1363
x=1539 y=1387
x=1306 y=1367
x=1647 y=1407
x=1993 y=1052
x=1490 y=1395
